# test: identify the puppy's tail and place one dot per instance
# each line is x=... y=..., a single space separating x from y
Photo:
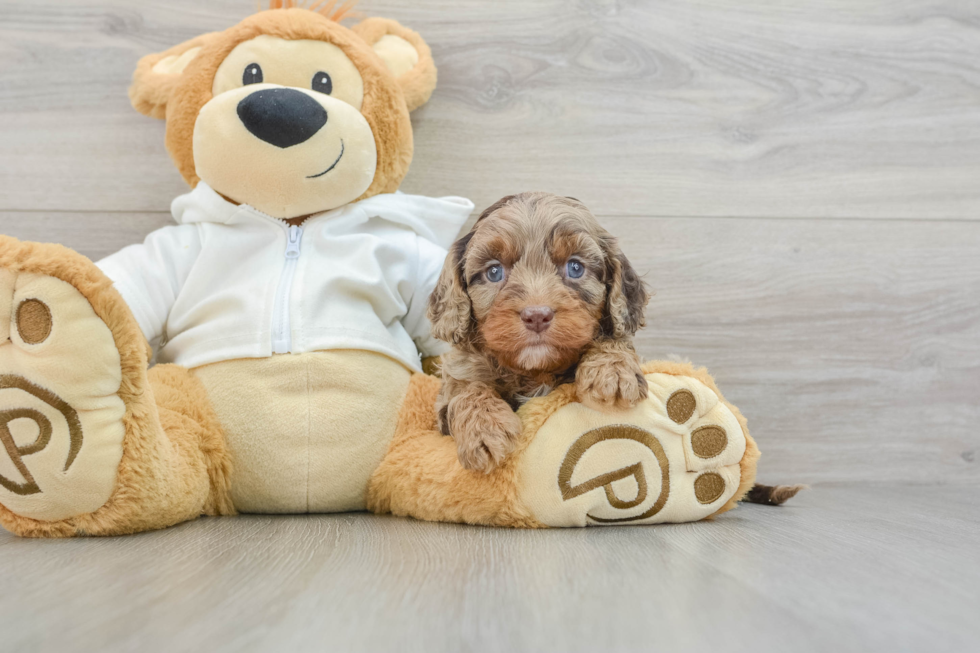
x=772 y=495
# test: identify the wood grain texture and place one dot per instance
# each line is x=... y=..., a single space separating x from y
x=93 y=234
x=838 y=569
x=815 y=108
x=853 y=346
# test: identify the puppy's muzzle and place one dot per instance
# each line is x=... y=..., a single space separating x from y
x=537 y=318
x=281 y=116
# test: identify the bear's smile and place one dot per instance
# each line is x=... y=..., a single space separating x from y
x=332 y=165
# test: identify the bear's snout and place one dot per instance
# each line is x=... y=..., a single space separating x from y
x=282 y=116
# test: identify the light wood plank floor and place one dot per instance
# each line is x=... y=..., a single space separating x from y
x=800 y=185
x=848 y=568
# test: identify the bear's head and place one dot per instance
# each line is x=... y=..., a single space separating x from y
x=288 y=111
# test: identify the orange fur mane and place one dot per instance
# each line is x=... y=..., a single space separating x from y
x=331 y=9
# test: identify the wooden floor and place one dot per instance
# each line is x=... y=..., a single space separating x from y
x=844 y=568
x=800 y=185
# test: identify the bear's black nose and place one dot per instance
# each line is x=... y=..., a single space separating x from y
x=282 y=116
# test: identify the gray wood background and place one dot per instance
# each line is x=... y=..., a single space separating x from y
x=800 y=185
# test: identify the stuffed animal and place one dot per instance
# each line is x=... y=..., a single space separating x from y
x=286 y=313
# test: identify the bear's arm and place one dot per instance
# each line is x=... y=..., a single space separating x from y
x=430 y=260
x=149 y=276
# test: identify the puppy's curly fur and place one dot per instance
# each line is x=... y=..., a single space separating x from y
x=536 y=295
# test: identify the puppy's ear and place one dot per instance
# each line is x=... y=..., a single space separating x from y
x=449 y=305
x=405 y=54
x=157 y=75
x=626 y=296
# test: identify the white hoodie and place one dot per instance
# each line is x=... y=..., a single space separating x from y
x=231 y=282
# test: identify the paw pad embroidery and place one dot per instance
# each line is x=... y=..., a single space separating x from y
x=606 y=481
x=33 y=321
x=18 y=452
x=672 y=458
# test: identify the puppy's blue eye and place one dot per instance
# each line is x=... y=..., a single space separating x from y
x=495 y=273
x=574 y=269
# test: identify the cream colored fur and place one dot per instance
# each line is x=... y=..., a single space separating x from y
x=276 y=181
x=332 y=417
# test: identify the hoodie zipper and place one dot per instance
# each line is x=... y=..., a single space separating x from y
x=281 y=336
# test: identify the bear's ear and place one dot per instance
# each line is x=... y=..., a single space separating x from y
x=406 y=55
x=157 y=75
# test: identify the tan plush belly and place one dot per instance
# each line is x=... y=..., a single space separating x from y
x=306 y=431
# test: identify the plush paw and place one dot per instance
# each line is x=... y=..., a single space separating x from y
x=61 y=421
x=674 y=457
x=612 y=379
x=486 y=431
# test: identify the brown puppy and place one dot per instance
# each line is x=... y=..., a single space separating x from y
x=536 y=295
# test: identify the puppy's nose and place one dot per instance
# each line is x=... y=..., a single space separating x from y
x=281 y=116
x=537 y=318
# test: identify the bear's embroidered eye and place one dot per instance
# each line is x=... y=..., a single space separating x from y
x=495 y=273
x=252 y=74
x=574 y=269
x=322 y=83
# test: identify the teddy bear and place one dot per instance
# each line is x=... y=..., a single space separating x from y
x=264 y=353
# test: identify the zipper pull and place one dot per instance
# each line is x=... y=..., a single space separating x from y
x=292 y=241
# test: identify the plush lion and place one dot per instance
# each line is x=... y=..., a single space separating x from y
x=286 y=312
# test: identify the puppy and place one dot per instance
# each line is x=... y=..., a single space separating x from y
x=536 y=295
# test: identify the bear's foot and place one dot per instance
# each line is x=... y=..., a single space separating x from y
x=83 y=450
x=61 y=416
x=681 y=455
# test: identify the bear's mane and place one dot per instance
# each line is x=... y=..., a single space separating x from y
x=331 y=9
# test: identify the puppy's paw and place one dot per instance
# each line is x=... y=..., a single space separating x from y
x=611 y=379
x=485 y=433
